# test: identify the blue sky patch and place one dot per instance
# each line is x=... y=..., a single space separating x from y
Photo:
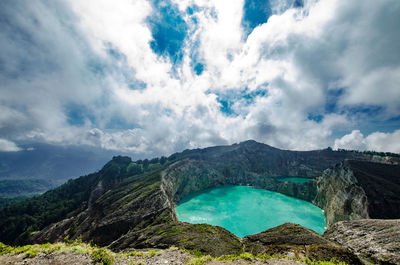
x=78 y=114
x=317 y=117
x=255 y=12
x=199 y=68
x=196 y=61
x=230 y=97
x=225 y=106
x=190 y=10
x=332 y=98
x=298 y=3
x=168 y=29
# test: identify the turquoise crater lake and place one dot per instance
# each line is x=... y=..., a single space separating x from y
x=245 y=210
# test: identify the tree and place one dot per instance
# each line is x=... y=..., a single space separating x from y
x=163 y=159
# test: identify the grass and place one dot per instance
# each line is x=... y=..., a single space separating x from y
x=245 y=255
x=103 y=256
x=98 y=254
x=107 y=257
x=201 y=260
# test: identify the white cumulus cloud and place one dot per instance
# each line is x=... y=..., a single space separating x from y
x=377 y=141
x=8 y=146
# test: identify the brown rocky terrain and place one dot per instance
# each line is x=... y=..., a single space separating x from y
x=163 y=257
x=375 y=240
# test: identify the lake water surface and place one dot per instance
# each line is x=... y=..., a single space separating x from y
x=245 y=210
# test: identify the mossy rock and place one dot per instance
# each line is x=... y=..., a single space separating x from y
x=313 y=253
x=286 y=234
x=324 y=252
x=207 y=239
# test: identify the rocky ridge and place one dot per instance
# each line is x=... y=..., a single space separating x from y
x=129 y=210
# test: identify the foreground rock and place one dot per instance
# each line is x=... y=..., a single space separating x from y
x=212 y=240
x=374 y=240
x=297 y=241
x=79 y=253
x=286 y=234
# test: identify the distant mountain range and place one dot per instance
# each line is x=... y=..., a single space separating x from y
x=40 y=167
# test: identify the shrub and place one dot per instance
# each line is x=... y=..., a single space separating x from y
x=103 y=256
x=5 y=249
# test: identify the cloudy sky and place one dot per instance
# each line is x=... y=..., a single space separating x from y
x=155 y=77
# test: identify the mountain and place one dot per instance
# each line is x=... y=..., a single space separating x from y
x=39 y=167
x=130 y=204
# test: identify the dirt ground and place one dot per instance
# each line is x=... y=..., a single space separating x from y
x=164 y=257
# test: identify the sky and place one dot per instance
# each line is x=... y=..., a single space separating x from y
x=153 y=77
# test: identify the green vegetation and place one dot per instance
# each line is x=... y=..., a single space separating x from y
x=370 y=152
x=203 y=259
x=107 y=257
x=8 y=201
x=19 y=220
x=97 y=254
x=10 y=188
x=199 y=260
x=245 y=255
x=34 y=214
x=103 y=256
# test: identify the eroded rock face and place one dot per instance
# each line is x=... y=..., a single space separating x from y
x=355 y=190
x=375 y=240
x=134 y=203
x=340 y=196
x=381 y=183
x=246 y=167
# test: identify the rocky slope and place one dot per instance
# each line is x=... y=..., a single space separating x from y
x=275 y=246
x=375 y=240
x=294 y=240
x=77 y=254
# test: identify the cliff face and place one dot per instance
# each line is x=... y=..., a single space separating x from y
x=249 y=163
x=340 y=196
x=375 y=240
x=188 y=176
x=357 y=190
x=381 y=183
